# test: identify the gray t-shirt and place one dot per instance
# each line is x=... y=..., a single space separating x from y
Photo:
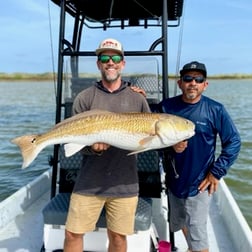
x=112 y=174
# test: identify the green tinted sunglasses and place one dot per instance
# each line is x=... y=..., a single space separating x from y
x=115 y=58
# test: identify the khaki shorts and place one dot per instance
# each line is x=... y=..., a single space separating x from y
x=84 y=212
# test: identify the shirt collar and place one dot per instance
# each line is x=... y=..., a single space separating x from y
x=101 y=87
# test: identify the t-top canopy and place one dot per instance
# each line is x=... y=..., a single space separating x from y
x=105 y=11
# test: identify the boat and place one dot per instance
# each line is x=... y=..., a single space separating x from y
x=32 y=219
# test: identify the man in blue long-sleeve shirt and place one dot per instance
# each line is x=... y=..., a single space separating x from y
x=192 y=170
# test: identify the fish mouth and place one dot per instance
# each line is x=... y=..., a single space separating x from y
x=190 y=135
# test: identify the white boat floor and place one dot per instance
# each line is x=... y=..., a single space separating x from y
x=25 y=232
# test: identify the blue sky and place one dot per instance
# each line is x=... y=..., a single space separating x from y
x=215 y=32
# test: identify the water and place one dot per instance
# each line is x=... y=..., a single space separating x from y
x=236 y=96
x=25 y=107
x=29 y=107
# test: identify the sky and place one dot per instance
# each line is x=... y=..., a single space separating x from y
x=217 y=33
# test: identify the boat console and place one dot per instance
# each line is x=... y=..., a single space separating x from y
x=150 y=220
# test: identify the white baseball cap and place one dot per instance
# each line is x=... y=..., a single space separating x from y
x=109 y=44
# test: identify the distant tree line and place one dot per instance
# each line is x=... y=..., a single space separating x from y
x=51 y=76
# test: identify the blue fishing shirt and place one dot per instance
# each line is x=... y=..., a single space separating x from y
x=186 y=170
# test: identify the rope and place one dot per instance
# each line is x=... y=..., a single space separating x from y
x=179 y=52
x=51 y=43
x=111 y=10
x=148 y=11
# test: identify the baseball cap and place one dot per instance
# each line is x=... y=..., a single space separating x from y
x=109 y=44
x=194 y=65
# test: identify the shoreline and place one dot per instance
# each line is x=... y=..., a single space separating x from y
x=27 y=77
x=52 y=76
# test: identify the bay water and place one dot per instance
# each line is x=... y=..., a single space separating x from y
x=29 y=108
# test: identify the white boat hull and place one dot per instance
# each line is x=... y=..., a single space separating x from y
x=22 y=228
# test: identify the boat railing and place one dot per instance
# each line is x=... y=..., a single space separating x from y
x=235 y=223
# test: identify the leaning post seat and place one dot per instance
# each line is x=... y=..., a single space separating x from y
x=149 y=182
x=149 y=187
x=55 y=212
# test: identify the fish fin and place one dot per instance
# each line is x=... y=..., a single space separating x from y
x=28 y=147
x=72 y=148
x=144 y=143
x=138 y=151
x=147 y=140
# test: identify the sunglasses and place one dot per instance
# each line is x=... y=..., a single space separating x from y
x=188 y=78
x=105 y=58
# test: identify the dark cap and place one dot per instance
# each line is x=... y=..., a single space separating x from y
x=194 y=66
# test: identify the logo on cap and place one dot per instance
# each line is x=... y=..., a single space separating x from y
x=193 y=66
x=109 y=43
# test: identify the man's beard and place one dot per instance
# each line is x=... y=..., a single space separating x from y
x=191 y=96
x=111 y=78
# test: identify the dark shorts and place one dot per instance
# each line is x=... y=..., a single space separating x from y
x=191 y=213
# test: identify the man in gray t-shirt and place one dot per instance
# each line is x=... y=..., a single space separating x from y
x=108 y=177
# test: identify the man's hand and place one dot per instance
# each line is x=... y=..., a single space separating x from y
x=138 y=90
x=209 y=182
x=100 y=147
x=180 y=147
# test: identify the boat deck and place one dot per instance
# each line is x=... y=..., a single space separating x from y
x=25 y=232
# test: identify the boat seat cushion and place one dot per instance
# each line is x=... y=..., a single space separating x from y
x=55 y=212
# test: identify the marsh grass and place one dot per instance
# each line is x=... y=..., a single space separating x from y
x=51 y=76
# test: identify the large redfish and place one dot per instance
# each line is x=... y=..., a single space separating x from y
x=136 y=132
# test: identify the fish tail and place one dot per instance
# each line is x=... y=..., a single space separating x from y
x=28 y=147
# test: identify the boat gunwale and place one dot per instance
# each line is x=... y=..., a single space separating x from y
x=24 y=198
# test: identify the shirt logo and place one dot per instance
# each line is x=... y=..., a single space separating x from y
x=201 y=123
